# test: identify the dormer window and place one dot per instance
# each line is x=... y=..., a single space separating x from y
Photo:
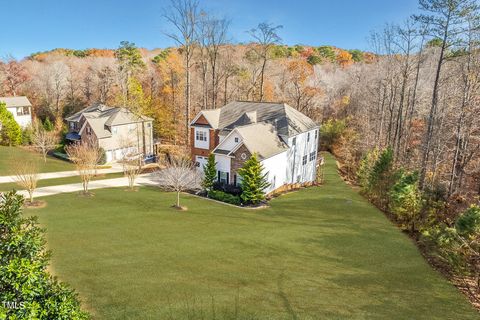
x=236 y=139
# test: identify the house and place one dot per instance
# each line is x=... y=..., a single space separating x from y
x=21 y=108
x=285 y=140
x=117 y=130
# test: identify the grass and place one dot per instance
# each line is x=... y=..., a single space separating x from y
x=319 y=253
x=11 y=155
x=60 y=181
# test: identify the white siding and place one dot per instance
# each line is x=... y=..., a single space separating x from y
x=22 y=120
x=297 y=171
x=229 y=143
x=277 y=170
x=201 y=144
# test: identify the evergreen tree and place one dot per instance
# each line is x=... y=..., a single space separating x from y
x=254 y=181
x=48 y=125
x=24 y=279
x=406 y=199
x=10 y=131
x=210 y=173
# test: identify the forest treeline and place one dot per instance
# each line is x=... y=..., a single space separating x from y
x=403 y=118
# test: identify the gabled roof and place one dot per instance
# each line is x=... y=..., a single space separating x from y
x=260 y=138
x=111 y=116
x=286 y=120
x=12 y=102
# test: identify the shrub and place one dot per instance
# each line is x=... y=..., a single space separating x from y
x=27 y=135
x=327 y=53
x=10 y=131
x=225 y=197
x=228 y=188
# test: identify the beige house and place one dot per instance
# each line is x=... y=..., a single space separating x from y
x=118 y=131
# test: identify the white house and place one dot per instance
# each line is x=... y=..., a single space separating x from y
x=20 y=107
x=117 y=130
x=285 y=140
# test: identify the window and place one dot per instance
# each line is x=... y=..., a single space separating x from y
x=223 y=177
x=316 y=134
x=294 y=141
x=89 y=130
x=304 y=160
x=201 y=136
x=308 y=137
x=72 y=126
x=312 y=156
x=236 y=139
x=149 y=125
x=23 y=111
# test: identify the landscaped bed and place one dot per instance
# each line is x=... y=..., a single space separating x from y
x=319 y=253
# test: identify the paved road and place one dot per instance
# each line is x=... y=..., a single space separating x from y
x=148 y=179
x=63 y=174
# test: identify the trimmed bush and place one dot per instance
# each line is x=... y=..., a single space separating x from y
x=225 y=197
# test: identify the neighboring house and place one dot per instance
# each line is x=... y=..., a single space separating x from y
x=21 y=109
x=118 y=131
x=285 y=140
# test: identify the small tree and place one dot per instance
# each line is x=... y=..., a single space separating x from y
x=406 y=199
x=132 y=167
x=23 y=269
x=44 y=140
x=180 y=175
x=85 y=157
x=26 y=176
x=210 y=173
x=254 y=181
x=10 y=131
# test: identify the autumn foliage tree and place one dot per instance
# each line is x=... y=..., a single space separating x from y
x=344 y=58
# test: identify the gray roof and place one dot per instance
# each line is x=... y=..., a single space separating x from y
x=110 y=116
x=286 y=120
x=12 y=102
x=260 y=138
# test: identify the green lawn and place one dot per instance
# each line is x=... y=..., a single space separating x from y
x=11 y=155
x=60 y=181
x=320 y=253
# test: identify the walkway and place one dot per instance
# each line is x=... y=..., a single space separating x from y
x=63 y=174
x=147 y=179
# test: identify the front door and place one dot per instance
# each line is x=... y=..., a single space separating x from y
x=200 y=162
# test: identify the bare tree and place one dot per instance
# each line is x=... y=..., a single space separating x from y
x=26 y=176
x=43 y=140
x=266 y=37
x=131 y=162
x=447 y=21
x=180 y=175
x=85 y=157
x=183 y=15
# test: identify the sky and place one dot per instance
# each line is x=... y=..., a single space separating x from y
x=30 y=26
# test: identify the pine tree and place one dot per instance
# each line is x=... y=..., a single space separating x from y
x=210 y=173
x=10 y=131
x=254 y=181
x=48 y=125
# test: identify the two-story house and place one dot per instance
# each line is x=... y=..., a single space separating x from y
x=21 y=108
x=117 y=130
x=285 y=140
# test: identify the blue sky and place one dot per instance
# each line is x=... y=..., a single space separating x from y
x=36 y=25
